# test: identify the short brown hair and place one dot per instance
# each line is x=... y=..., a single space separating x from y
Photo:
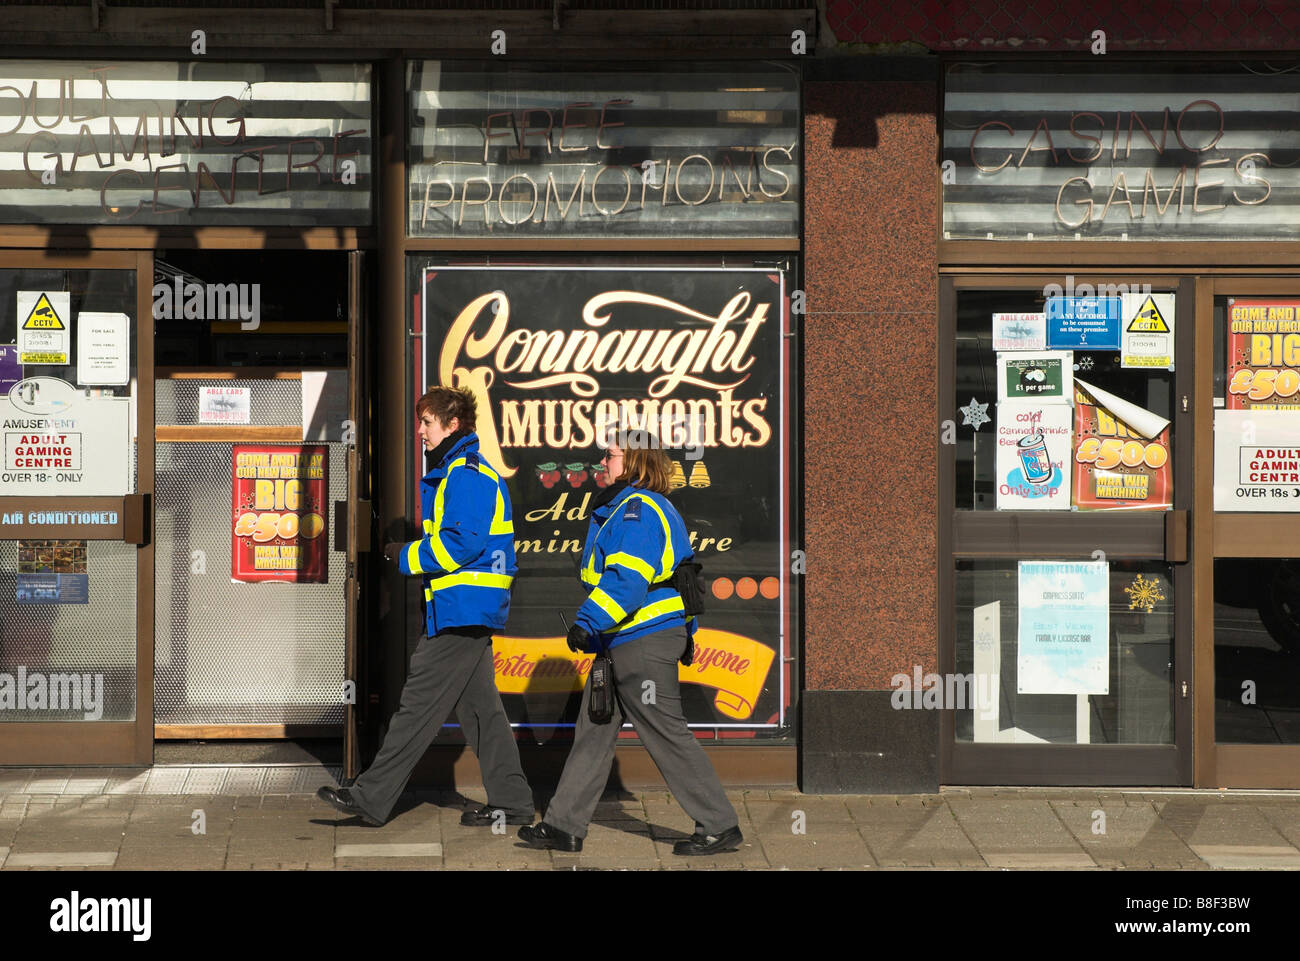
x=444 y=403
x=650 y=467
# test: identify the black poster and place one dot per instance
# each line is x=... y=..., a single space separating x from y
x=690 y=359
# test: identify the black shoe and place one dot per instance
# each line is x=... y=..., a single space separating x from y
x=486 y=816
x=341 y=800
x=700 y=844
x=546 y=836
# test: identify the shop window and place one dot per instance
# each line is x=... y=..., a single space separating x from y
x=1064 y=413
x=1072 y=652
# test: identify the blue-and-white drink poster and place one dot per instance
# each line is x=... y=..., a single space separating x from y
x=1064 y=635
x=1033 y=455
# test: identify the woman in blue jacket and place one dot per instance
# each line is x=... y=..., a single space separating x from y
x=634 y=542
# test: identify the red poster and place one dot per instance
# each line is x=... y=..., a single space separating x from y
x=279 y=529
x=1116 y=468
x=1263 y=354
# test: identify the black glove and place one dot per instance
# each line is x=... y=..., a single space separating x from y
x=577 y=638
x=688 y=653
x=393 y=551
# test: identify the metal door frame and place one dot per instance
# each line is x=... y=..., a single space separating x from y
x=975 y=534
x=1231 y=765
x=122 y=743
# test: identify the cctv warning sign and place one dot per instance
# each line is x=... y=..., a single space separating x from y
x=1148 y=319
x=43 y=316
x=1148 y=325
x=43 y=326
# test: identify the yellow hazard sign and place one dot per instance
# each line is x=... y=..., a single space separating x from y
x=1148 y=319
x=43 y=316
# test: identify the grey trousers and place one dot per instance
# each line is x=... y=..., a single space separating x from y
x=660 y=724
x=448 y=672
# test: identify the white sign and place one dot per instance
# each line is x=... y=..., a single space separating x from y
x=1147 y=331
x=1033 y=455
x=103 y=348
x=1064 y=632
x=324 y=404
x=84 y=449
x=44 y=326
x=1019 y=331
x=1257 y=461
x=224 y=405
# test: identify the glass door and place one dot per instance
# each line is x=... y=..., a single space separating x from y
x=1248 y=592
x=76 y=566
x=1065 y=456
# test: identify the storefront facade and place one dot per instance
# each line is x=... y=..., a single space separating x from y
x=319 y=239
x=976 y=373
x=1103 y=249
x=1162 y=193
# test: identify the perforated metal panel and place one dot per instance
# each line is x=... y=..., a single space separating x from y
x=271 y=403
x=237 y=653
x=79 y=657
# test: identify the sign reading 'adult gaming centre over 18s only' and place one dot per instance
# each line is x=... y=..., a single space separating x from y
x=58 y=440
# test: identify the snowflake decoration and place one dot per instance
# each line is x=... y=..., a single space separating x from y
x=1144 y=593
x=975 y=414
x=1085 y=363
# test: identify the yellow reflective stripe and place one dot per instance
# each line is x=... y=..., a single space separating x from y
x=667 y=606
x=668 y=536
x=499 y=523
x=428 y=526
x=632 y=563
x=428 y=594
x=445 y=560
x=413 y=557
x=474 y=578
x=589 y=576
x=607 y=604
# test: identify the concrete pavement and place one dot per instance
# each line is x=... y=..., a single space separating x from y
x=210 y=817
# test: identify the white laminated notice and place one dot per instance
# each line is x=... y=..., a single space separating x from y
x=103 y=349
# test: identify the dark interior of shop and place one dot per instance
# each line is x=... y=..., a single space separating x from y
x=285 y=309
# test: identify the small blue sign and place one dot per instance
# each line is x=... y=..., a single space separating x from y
x=1083 y=323
x=53 y=588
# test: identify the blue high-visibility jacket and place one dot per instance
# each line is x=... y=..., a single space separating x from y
x=467 y=553
x=633 y=545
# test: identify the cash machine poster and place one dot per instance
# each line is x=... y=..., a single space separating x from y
x=686 y=359
x=1263 y=355
x=279 y=530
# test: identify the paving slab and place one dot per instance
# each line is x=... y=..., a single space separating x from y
x=914 y=833
x=1249 y=857
x=815 y=817
x=1040 y=861
x=803 y=852
x=1214 y=822
x=1285 y=820
x=392 y=850
x=1119 y=835
x=997 y=825
x=51 y=859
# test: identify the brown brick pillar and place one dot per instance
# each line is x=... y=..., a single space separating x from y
x=870 y=376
